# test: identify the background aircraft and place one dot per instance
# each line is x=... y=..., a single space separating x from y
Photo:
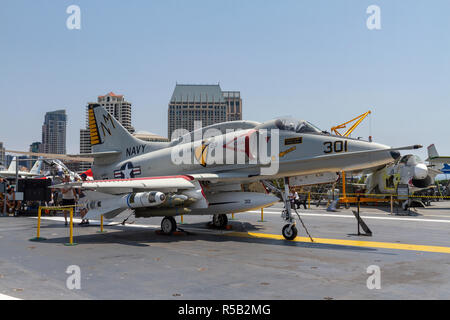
x=436 y=161
x=410 y=170
x=11 y=171
x=138 y=175
x=58 y=170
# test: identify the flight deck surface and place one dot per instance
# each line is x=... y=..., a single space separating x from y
x=250 y=261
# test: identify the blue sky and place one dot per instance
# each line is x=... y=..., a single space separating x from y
x=314 y=60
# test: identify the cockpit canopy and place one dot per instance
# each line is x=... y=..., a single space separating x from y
x=411 y=160
x=290 y=124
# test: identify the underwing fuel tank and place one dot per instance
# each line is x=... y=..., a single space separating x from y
x=98 y=203
x=131 y=200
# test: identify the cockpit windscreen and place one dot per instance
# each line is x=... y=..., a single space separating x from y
x=298 y=126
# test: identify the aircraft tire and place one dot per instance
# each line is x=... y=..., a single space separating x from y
x=289 y=234
x=168 y=225
x=220 y=220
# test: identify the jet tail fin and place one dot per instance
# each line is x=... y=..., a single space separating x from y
x=432 y=152
x=111 y=138
x=12 y=165
x=36 y=169
x=434 y=157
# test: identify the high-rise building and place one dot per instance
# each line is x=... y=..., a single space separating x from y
x=205 y=103
x=118 y=107
x=234 y=105
x=54 y=132
x=34 y=147
x=2 y=155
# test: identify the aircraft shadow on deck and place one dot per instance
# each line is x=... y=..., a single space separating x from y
x=138 y=237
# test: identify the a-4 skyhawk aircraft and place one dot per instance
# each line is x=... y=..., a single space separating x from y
x=201 y=172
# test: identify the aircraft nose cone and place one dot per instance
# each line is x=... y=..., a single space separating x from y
x=395 y=155
x=420 y=171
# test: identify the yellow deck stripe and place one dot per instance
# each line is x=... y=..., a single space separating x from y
x=342 y=242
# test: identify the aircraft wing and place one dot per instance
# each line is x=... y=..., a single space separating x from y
x=433 y=172
x=440 y=159
x=118 y=186
x=111 y=193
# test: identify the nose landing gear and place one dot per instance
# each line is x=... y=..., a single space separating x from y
x=289 y=230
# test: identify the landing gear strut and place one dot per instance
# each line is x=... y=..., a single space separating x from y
x=168 y=225
x=220 y=220
x=289 y=231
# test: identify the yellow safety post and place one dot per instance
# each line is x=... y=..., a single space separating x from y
x=38 y=236
x=262 y=215
x=309 y=199
x=232 y=217
x=182 y=220
x=101 y=225
x=71 y=243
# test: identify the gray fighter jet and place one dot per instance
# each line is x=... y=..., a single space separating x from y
x=201 y=172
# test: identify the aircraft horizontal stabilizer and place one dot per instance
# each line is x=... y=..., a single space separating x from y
x=83 y=158
x=96 y=154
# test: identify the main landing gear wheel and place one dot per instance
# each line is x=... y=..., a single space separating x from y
x=168 y=225
x=220 y=220
x=289 y=232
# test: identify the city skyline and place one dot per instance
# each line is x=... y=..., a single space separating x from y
x=291 y=58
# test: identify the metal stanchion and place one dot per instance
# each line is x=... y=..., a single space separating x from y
x=262 y=215
x=71 y=243
x=38 y=235
x=358 y=216
x=101 y=225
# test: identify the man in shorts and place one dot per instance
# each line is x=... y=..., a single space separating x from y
x=83 y=210
x=68 y=197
